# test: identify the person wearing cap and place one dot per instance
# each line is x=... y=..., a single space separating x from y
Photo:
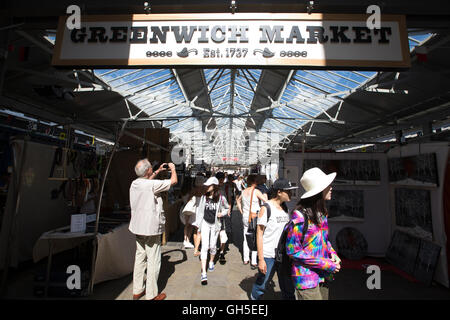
x=147 y=223
x=267 y=237
x=313 y=260
x=227 y=192
x=212 y=206
x=192 y=202
x=252 y=196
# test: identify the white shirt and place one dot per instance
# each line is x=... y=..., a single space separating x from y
x=147 y=214
x=274 y=229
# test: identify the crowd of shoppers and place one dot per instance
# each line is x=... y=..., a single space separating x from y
x=207 y=214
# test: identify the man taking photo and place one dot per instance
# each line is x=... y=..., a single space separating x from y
x=147 y=223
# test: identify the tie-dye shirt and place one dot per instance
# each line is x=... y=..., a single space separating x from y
x=311 y=260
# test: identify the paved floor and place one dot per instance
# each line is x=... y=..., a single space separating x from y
x=180 y=280
x=180 y=274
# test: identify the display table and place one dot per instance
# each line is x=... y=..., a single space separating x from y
x=115 y=250
x=115 y=254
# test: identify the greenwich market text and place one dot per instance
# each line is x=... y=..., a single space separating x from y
x=231 y=34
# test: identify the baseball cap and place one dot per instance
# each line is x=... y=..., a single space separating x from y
x=211 y=181
x=283 y=184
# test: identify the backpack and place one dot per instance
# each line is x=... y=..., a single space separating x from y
x=281 y=256
x=251 y=231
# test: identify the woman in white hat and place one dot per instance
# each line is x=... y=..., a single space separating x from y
x=314 y=259
x=212 y=206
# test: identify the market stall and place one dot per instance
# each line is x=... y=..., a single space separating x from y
x=115 y=250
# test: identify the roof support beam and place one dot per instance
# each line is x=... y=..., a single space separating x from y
x=57 y=76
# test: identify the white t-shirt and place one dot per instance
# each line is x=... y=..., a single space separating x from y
x=147 y=214
x=274 y=229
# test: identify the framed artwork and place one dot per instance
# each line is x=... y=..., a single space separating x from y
x=403 y=250
x=351 y=172
x=420 y=170
x=427 y=259
x=346 y=205
x=351 y=244
x=413 y=212
x=418 y=257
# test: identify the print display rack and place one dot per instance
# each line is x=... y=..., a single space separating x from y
x=349 y=172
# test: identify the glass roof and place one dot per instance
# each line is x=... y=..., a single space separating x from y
x=308 y=94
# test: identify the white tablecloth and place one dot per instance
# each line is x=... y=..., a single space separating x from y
x=115 y=254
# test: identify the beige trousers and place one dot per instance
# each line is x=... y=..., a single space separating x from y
x=318 y=293
x=148 y=256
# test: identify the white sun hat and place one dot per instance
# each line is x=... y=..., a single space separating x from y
x=315 y=181
x=211 y=180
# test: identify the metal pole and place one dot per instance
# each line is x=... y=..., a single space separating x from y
x=95 y=244
x=302 y=158
x=49 y=267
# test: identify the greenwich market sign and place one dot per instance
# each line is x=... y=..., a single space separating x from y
x=259 y=40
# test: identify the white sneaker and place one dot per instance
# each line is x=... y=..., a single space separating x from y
x=204 y=279
x=211 y=266
x=188 y=245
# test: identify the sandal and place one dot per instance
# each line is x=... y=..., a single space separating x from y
x=197 y=253
x=246 y=262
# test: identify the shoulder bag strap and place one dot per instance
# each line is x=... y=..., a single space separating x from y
x=305 y=226
x=267 y=205
x=250 y=209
